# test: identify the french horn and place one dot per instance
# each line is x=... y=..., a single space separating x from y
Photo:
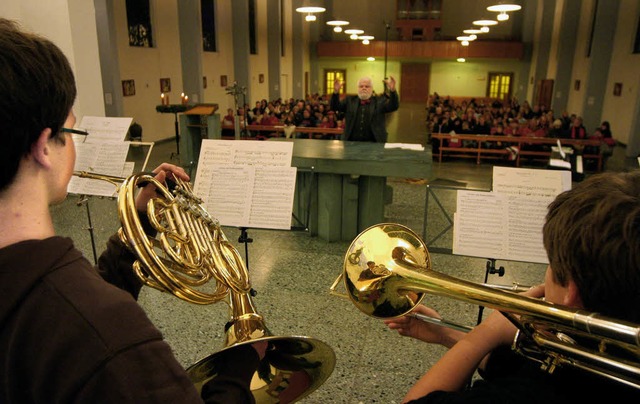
x=188 y=254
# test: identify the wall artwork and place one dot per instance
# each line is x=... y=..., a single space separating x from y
x=128 y=88
x=139 y=23
x=204 y=81
x=223 y=81
x=165 y=85
x=261 y=78
x=617 y=89
x=576 y=85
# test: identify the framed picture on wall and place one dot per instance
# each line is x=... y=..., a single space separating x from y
x=223 y=81
x=261 y=78
x=617 y=89
x=204 y=81
x=165 y=85
x=576 y=85
x=128 y=88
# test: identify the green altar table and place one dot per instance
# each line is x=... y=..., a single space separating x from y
x=340 y=186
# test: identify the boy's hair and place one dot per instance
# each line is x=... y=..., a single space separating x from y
x=37 y=91
x=592 y=236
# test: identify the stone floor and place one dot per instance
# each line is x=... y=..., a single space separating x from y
x=292 y=272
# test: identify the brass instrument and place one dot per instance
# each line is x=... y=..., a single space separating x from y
x=189 y=251
x=387 y=271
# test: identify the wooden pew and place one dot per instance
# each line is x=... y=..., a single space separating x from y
x=265 y=131
x=521 y=142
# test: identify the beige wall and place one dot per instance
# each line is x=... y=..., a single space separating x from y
x=360 y=68
x=555 y=40
x=575 y=103
x=147 y=65
x=286 y=61
x=66 y=24
x=467 y=79
x=220 y=63
x=624 y=69
x=259 y=63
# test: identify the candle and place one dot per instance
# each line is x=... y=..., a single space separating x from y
x=185 y=100
x=162 y=99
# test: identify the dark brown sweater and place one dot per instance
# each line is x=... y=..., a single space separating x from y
x=66 y=335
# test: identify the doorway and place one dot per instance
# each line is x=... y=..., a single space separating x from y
x=415 y=82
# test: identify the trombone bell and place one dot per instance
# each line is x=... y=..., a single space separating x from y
x=369 y=270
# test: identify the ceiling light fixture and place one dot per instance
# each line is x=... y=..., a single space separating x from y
x=485 y=23
x=309 y=11
x=467 y=38
x=371 y=59
x=503 y=9
x=365 y=39
x=473 y=31
x=461 y=60
x=337 y=24
x=353 y=33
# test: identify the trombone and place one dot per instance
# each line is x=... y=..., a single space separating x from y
x=188 y=253
x=387 y=272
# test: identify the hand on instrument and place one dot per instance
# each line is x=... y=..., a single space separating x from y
x=390 y=83
x=412 y=327
x=337 y=84
x=163 y=171
x=497 y=330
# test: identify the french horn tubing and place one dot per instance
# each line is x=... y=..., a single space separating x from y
x=187 y=254
x=387 y=272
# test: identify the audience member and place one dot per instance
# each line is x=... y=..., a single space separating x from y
x=577 y=131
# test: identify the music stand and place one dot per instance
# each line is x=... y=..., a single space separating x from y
x=85 y=197
x=174 y=109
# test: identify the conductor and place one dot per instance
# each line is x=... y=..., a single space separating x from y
x=365 y=113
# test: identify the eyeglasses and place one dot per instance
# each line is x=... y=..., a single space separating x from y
x=75 y=131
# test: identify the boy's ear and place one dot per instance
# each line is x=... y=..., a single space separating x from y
x=41 y=149
x=572 y=296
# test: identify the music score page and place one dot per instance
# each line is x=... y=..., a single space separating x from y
x=507 y=223
x=247 y=183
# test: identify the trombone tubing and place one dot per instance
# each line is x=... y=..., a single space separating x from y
x=591 y=323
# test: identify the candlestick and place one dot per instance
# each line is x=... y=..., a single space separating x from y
x=185 y=100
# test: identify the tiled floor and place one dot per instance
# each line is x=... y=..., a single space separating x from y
x=292 y=273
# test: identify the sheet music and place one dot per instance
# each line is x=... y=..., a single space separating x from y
x=100 y=158
x=507 y=223
x=405 y=146
x=252 y=153
x=105 y=129
x=247 y=183
x=500 y=226
x=530 y=181
x=272 y=199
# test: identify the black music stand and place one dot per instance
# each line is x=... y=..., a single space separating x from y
x=174 y=109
